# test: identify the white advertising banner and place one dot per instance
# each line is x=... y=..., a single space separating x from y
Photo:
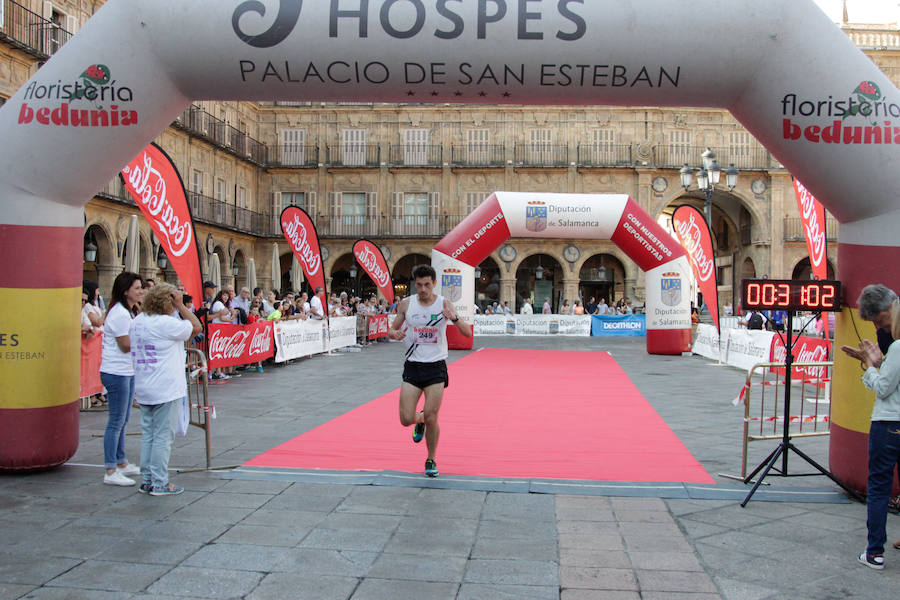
x=574 y=325
x=342 y=332
x=294 y=339
x=740 y=348
x=490 y=325
x=706 y=341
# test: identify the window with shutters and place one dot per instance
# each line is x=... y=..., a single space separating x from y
x=680 y=147
x=473 y=199
x=415 y=208
x=478 y=146
x=740 y=147
x=220 y=189
x=415 y=146
x=540 y=147
x=603 y=149
x=293 y=147
x=353 y=147
x=196 y=181
x=242 y=197
x=353 y=208
x=297 y=199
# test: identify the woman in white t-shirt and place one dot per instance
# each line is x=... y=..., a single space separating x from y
x=157 y=353
x=117 y=375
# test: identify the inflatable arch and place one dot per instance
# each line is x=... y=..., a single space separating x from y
x=783 y=69
x=592 y=216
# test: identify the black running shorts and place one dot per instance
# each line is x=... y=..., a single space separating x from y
x=422 y=374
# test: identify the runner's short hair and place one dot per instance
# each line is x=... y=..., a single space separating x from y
x=420 y=271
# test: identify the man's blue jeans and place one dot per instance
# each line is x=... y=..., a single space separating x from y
x=119 y=394
x=884 y=455
x=157 y=433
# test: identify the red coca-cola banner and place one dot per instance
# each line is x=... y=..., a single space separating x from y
x=156 y=186
x=806 y=349
x=369 y=256
x=231 y=345
x=694 y=236
x=378 y=326
x=813 y=214
x=300 y=233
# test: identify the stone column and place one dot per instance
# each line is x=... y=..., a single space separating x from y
x=106 y=275
x=570 y=289
x=508 y=291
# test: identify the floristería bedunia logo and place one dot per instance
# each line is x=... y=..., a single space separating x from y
x=867 y=93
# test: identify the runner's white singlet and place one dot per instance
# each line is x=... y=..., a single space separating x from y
x=426 y=331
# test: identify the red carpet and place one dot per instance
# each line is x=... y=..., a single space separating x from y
x=511 y=413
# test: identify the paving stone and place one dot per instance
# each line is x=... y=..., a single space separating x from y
x=583 y=513
x=675 y=543
x=742 y=590
x=110 y=576
x=675 y=581
x=214 y=502
x=498 y=548
x=10 y=591
x=379 y=500
x=597 y=578
x=278 y=586
x=588 y=527
x=625 y=515
x=439 y=544
x=575 y=594
x=278 y=518
x=616 y=559
x=237 y=557
x=288 y=535
x=518 y=529
x=501 y=505
x=184 y=531
x=480 y=591
x=579 y=541
x=206 y=583
x=649 y=595
x=346 y=539
x=461 y=504
x=142 y=550
x=205 y=514
x=66 y=593
x=512 y=572
x=296 y=502
x=419 y=568
x=664 y=561
x=321 y=561
x=425 y=525
x=384 y=589
x=244 y=486
x=361 y=522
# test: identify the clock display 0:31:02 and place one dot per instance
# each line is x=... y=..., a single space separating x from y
x=786 y=294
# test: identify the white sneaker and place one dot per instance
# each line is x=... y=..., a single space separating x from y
x=117 y=479
x=129 y=470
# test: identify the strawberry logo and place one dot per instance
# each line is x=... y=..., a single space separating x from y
x=96 y=74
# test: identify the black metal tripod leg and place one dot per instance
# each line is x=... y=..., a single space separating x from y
x=826 y=472
x=773 y=457
x=759 y=467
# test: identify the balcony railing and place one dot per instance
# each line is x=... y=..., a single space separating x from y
x=752 y=157
x=604 y=155
x=353 y=155
x=478 y=155
x=541 y=155
x=793 y=229
x=415 y=155
x=294 y=155
x=197 y=121
x=31 y=32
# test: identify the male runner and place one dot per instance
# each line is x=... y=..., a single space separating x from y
x=425 y=370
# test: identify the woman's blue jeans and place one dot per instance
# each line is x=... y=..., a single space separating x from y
x=884 y=455
x=157 y=433
x=119 y=394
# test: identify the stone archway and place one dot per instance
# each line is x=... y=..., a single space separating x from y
x=539 y=276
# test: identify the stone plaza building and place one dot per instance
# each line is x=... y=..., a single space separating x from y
x=403 y=175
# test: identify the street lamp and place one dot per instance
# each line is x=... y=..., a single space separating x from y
x=162 y=261
x=708 y=178
x=353 y=278
x=90 y=251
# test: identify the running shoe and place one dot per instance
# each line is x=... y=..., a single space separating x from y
x=418 y=432
x=873 y=561
x=431 y=468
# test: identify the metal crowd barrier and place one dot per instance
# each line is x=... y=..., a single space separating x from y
x=765 y=420
x=201 y=412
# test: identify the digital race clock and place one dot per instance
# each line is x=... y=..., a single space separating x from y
x=791 y=295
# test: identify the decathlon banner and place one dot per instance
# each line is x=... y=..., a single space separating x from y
x=156 y=186
x=369 y=256
x=295 y=338
x=618 y=326
x=300 y=233
x=231 y=345
x=694 y=235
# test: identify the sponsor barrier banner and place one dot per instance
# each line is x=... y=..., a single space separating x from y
x=693 y=233
x=740 y=348
x=378 y=327
x=618 y=326
x=91 y=355
x=296 y=338
x=806 y=349
x=369 y=256
x=232 y=345
x=341 y=332
x=300 y=233
x=490 y=325
x=573 y=325
x=156 y=186
x=706 y=341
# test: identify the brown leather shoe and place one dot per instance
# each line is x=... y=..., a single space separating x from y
x=897 y=544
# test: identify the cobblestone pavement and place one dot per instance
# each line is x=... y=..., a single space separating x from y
x=66 y=535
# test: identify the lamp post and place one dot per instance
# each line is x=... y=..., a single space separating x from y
x=708 y=178
x=353 y=273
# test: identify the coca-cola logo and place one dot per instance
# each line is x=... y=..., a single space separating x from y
x=690 y=234
x=806 y=352
x=812 y=225
x=261 y=342
x=225 y=347
x=295 y=232
x=369 y=261
x=149 y=187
